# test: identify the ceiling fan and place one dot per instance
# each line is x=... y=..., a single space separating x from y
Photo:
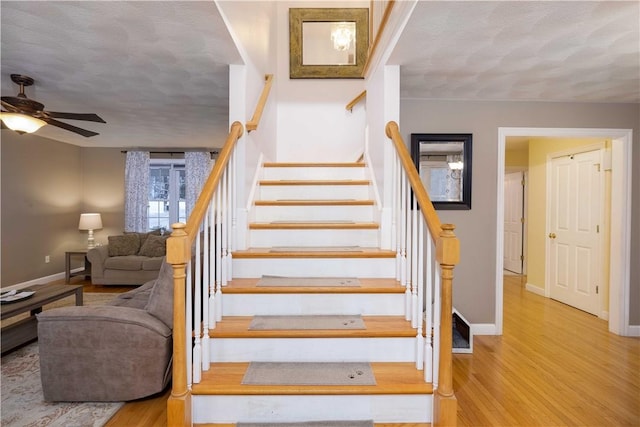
x=26 y=115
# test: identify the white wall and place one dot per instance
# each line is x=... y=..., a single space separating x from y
x=313 y=124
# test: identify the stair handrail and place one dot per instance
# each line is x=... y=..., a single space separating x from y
x=447 y=255
x=262 y=101
x=378 y=32
x=179 y=246
x=356 y=100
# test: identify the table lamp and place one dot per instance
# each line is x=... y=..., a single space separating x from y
x=90 y=221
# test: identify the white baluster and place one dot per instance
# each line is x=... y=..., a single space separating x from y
x=415 y=283
x=409 y=250
x=212 y=264
x=420 y=298
x=223 y=228
x=203 y=290
x=403 y=240
x=396 y=217
x=218 y=226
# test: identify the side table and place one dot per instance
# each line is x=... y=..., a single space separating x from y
x=67 y=265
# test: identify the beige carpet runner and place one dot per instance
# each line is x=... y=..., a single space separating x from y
x=322 y=322
x=309 y=373
x=276 y=281
x=352 y=423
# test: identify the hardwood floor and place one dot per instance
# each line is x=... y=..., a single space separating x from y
x=554 y=366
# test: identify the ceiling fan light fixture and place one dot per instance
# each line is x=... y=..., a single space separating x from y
x=21 y=123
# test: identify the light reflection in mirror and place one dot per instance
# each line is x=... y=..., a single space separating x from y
x=328 y=43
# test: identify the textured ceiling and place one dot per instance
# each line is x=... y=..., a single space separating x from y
x=157 y=71
x=522 y=50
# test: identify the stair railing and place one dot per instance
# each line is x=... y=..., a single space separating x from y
x=262 y=101
x=200 y=254
x=427 y=252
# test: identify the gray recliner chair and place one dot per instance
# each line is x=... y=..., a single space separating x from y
x=115 y=352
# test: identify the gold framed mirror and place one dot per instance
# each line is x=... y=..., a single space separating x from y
x=328 y=43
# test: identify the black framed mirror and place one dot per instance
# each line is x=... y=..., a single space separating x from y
x=444 y=162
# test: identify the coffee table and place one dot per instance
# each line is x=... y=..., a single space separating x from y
x=26 y=330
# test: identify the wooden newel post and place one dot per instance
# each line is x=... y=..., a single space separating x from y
x=179 y=403
x=448 y=255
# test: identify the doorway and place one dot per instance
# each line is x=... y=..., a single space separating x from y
x=619 y=248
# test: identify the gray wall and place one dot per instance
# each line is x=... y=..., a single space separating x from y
x=45 y=185
x=474 y=285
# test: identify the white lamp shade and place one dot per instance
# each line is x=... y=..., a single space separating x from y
x=90 y=221
x=21 y=123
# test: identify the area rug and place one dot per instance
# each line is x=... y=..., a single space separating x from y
x=23 y=404
x=308 y=281
x=306 y=322
x=352 y=423
x=309 y=373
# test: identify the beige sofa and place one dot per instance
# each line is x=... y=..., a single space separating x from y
x=128 y=259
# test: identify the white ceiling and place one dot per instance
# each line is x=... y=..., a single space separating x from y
x=522 y=50
x=157 y=71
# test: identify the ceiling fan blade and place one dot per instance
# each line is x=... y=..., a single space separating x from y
x=76 y=116
x=8 y=106
x=65 y=126
x=2 y=125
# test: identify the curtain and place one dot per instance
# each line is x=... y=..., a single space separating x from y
x=136 y=183
x=197 y=165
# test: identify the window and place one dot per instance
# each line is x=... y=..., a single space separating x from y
x=167 y=194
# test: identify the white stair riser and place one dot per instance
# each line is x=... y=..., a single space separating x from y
x=311 y=238
x=361 y=213
x=298 y=304
x=313 y=173
x=384 y=408
x=244 y=268
x=313 y=192
x=313 y=349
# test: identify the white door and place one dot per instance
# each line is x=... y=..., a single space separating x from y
x=574 y=203
x=513 y=221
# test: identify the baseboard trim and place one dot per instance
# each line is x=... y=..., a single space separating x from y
x=535 y=289
x=39 y=281
x=483 y=329
x=633 y=330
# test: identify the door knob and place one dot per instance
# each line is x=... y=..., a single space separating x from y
x=552 y=235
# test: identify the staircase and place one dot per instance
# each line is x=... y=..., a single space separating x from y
x=313 y=220
x=313 y=224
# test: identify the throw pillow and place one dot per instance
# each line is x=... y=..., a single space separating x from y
x=127 y=244
x=160 y=302
x=143 y=236
x=154 y=246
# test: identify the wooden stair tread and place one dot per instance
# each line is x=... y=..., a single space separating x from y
x=368 y=286
x=314 y=253
x=318 y=202
x=391 y=378
x=314 y=182
x=377 y=327
x=319 y=225
x=313 y=165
